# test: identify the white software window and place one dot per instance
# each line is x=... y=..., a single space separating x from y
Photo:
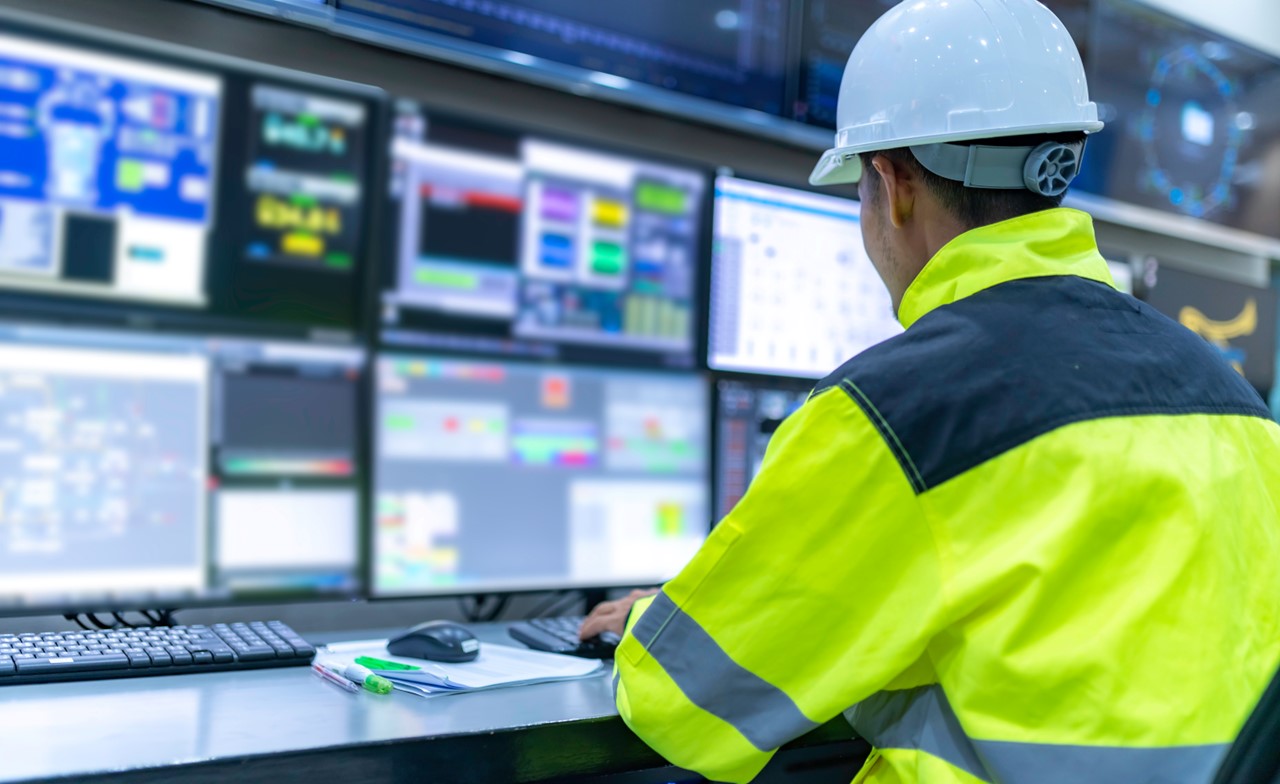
x=793 y=291
x=103 y=459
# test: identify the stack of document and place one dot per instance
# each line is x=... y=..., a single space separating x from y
x=497 y=666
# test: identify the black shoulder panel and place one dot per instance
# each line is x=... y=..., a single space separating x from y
x=977 y=378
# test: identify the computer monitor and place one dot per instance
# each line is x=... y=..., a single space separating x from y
x=141 y=182
x=793 y=292
x=1193 y=120
x=748 y=413
x=730 y=51
x=141 y=470
x=514 y=244
x=506 y=476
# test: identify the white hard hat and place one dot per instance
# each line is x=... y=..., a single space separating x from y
x=931 y=72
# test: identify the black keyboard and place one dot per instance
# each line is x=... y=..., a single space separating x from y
x=560 y=635
x=128 y=653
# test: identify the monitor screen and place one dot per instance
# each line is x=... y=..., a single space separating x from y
x=1193 y=120
x=501 y=475
x=832 y=28
x=1239 y=320
x=512 y=244
x=139 y=470
x=748 y=414
x=179 y=188
x=731 y=51
x=793 y=292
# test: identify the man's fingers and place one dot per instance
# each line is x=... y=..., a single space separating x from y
x=592 y=627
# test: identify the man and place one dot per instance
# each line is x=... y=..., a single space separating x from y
x=1035 y=538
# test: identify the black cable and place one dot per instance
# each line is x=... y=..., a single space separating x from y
x=120 y=621
x=159 y=618
x=96 y=621
x=477 y=609
x=499 y=607
x=465 y=604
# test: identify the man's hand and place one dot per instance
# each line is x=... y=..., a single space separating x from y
x=611 y=616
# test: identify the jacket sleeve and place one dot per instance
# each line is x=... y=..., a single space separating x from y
x=821 y=587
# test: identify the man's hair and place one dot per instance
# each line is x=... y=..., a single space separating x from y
x=974 y=207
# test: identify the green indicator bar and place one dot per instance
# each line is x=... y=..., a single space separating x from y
x=652 y=197
x=399 y=423
x=308 y=119
x=339 y=261
x=303 y=200
x=607 y=258
x=446 y=279
x=670 y=520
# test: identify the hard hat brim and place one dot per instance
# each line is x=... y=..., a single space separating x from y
x=843 y=165
x=837 y=167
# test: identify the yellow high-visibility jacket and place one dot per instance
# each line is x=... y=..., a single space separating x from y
x=1035 y=538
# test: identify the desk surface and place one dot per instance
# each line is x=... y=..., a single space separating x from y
x=263 y=723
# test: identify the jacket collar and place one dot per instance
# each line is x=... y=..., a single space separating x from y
x=1042 y=244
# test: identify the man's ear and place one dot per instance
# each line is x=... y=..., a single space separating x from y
x=897 y=188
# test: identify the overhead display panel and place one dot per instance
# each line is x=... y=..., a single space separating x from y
x=1193 y=121
x=731 y=51
x=831 y=29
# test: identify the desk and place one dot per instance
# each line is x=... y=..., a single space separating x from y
x=287 y=725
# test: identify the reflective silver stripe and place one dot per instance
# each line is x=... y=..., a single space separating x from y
x=760 y=711
x=1015 y=763
x=920 y=719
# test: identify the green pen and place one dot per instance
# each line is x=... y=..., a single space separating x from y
x=383 y=664
x=390 y=666
x=362 y=676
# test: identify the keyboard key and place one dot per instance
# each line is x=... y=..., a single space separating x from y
x=201 y=657
x=71 y=664
x=256 y=654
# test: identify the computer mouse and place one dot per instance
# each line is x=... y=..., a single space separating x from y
x=440 y=641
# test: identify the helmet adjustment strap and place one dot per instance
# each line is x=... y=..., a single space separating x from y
x=1046 y=169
